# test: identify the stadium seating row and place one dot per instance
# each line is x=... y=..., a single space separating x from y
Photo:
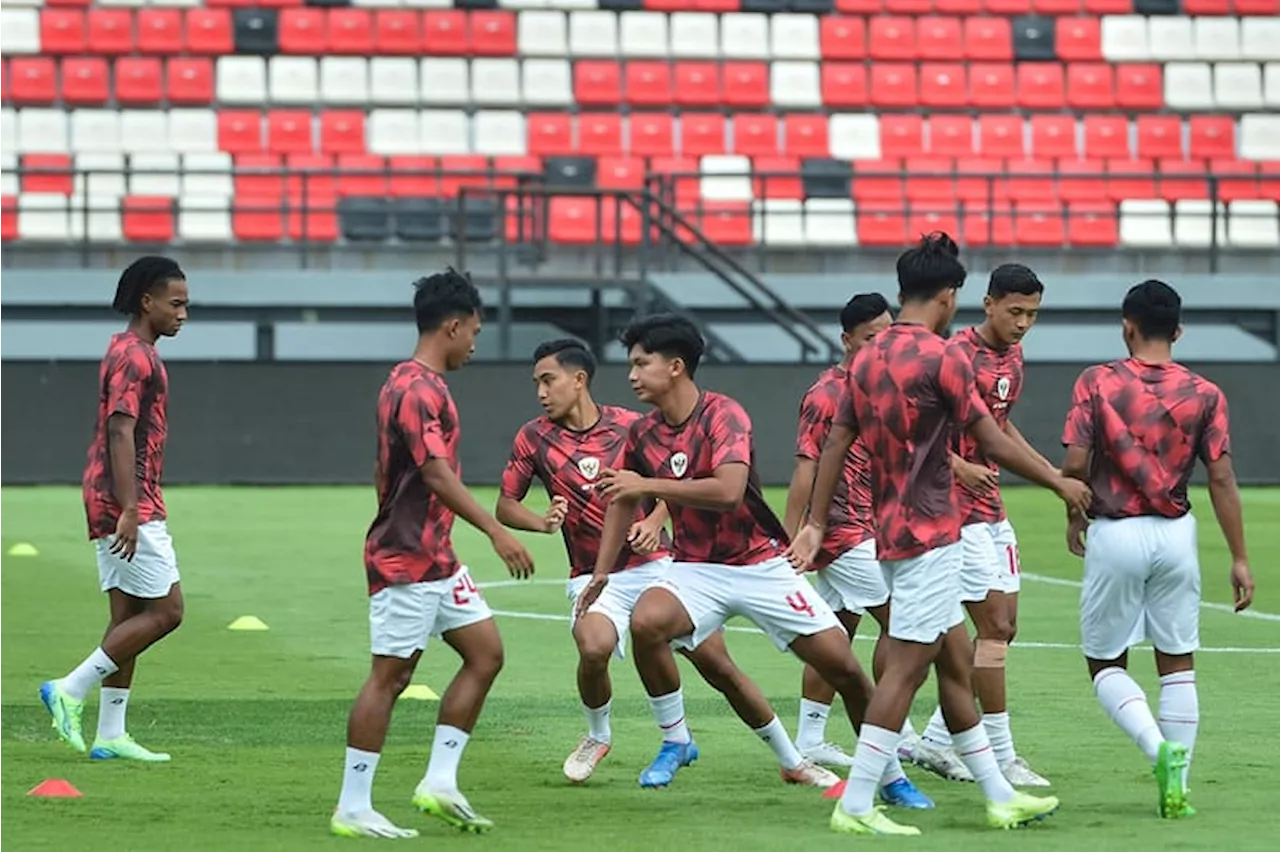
x=237 y=80
x=312 y=31
x=864 y=7
x=1143 y=223
x=842 y=136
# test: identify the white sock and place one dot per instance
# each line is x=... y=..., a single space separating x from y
x=357 y=782
x=892 y=770
x=446 y=754
x=812 y=730
x=908 y=729
x=973 y=747
x=88 y=674
x=669 y=711
x=1000 y=736
x=598 y=722
x=936 y=731
x=111 y=709
x=1126 y=704
x=876 y=746
x=1180 y=710
x=775 y=736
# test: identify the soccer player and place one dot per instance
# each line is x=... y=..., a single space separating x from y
x=989 y=578
x=694 y=451
x=848 y=578
x=125 y=509
x=907 y=392
x=567 y=449
x=417 y=586
x=1134 y=432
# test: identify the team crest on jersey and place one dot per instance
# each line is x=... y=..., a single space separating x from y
x=589 y=467
x=1003 y=386
x=679 y=464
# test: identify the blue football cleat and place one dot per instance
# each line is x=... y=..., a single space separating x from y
x=671 y=757
x=903 y=794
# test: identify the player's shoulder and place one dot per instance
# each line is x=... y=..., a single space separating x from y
x=536 y=428
x=616 y=415
x=826 y=389
x=1204 y=387
x=411 y=379
x=965 y=341
x=127 y=349
x=716 y=404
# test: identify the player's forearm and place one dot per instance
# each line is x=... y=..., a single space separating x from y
x=123 y=463
x=709 y=493
x=1021 y=440
x=660 y=515
x=512 y=513
x=445 y=484
x=798 y=495
x=1225 y=496
x=617 y=519
x=1002 y=449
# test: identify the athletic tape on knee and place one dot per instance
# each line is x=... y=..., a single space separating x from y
x=990 y=654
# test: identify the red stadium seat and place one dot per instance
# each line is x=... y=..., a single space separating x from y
x=1081 y=180
x=893 y=84
x=600 y=133
x=1053 y=137
x=550 y=134
x=1029 y=180
x=746 y=84
x=958 y=7
x=843 y=38
x=159 y=31
x=620 y=173
x=362 y=174
x=257 y=219
x=258 y=176
x=881 y=223
x=652 y=135
x=986 y=224
x=855 y=7
x=313 y=218
x=1182 y=179
x=878 y=181
x=1212 y=137
x=939 y=39
x=34 y=80
x=943 y=85
x=189 y=80
x=1106 y=137
x=1237 y=179
x=350 y=32
x=991 y=85
x=147 y=219
x=1159 y=137
x=988 y=39
x=932 y=214
x=240 y=131
x=726 y=222
x=844 y=84
x=1078 y=39
x=1007 y=7
x=398 y=32
x=1056 y=7
x=1039 y=223
x=931 y=179
x=648 y=83
x=806 y=135
x=342 y=132
x=413 y=177
x=289 y=132
x=777 y=177
x=901 y=135
x=1133 y=178
x=491 y=33
x=63 y=31
x=110 y=31
x=1092 y=223
x=311 y=173
x=507 y=170
x=702 y=134
x=978 y=178
x=447 y=32
x=597 y=83
x=1090 y=86
x=916 y=7
x=138 y=81
x=892 y=38
x=208 y=31
x=697 y=84
x=755 y=135
x=1001 y=136
x=951 y=135
x=1040 y=85
x=303 y=31
x=50 y=173
x=685 y=184
x=1108 y=7
x=1139 y=87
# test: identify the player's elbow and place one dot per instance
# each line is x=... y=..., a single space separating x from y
x=504 y=511
x=1221 y=474
x=731 y=496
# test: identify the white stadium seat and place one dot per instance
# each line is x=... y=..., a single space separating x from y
x=1237 y=85
x=1253 y=224
x=19 y=31
x=98 y=130
x=144 y=130
x=500 y=133
x=695 y=35
x=593 y=34
x=193 y=131
x=393 y=131
x=546 y=82
x=204 y=219
x=444 y=131
x=344 y=80
x=42 y=131
x=794 y=37
x=542 y=33
x=725 y=178
x=1188 y=85
x=293 y=80
x=778 y=223
x=100 y=175
x=1217 y=38
x=744 y=36
x=394 y=80
x=241 y=80
x=43 y=217
x=207 y=174
x=1145 y=223
x=795 y=85
x=1124 y=38
x=154 y=174
x=643 y=34
x=854 y=136
x=494 y=81
x=830 y=222
x=1171 y=38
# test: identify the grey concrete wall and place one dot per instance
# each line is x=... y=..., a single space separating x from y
x=314 y=423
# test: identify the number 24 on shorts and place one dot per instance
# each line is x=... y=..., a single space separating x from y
x=464 y=589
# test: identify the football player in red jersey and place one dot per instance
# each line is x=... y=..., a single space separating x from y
x=567 y=449
x=137 y=566
x=907 y=394
x=1134 y=432
x=694 y=451
x=418 y=588
x=990 y=576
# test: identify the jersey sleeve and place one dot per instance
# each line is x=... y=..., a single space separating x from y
x=730 y=434
x=817 y=410
x=959 y=388
x=1215 y=440
x=127 y=378
x=1078 y=430
x=519 y=472
x=419 y=421
x=633 y=451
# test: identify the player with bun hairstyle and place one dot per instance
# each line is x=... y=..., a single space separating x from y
x=137 y=567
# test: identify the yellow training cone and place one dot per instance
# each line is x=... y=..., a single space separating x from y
x=23 y=549
x=419 y=692
x=247 y=622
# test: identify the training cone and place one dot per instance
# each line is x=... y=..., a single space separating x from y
x=23 y=549
x=247 y=622
x=834 y=792
x=419 y=692
x=55 y=788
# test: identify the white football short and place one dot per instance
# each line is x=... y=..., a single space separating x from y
x=154 y=568
x=854 y=581
x=769 y=593
x=990 y=560
x=402 y=618
x=1141 y=581
x=619 y=596
x=926 y=594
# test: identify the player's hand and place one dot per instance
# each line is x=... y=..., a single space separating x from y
x=124 y=543
x=644 y=537
x=512 y=553
x=590 y=592
x=1242 y=584
x=622 y=484
x=1076 y=526
x=554 y=518
x=1074 y=493
x=804 y=547
x=976 y=478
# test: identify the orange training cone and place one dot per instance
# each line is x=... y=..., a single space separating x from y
x=55 y=788
x=834 y=792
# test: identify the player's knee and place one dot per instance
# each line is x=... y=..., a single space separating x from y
x=593 y=648
x=487 y=662
x=168 y=614
x=990 y=653
x=648 y=626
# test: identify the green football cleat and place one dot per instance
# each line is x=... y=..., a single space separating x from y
x=123 y=747
x=453 y=808
x=873 y=823
x=1171 y=772
x=66 y=712
x=1021 y=810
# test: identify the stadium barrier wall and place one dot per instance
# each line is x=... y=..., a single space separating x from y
x=310 y=423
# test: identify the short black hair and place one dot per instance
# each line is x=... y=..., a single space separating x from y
x=569 y=353
x=1009 y=278
x=863 y=307
x=144 y=275
x=1155 y=308
x=669 y=335
x=443 y=296
x=931 y=266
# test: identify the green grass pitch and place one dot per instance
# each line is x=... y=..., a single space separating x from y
x=255 y=721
